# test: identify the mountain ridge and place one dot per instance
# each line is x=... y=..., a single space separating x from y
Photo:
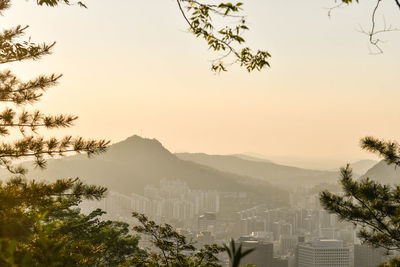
x=128 y=166
x=274 y=173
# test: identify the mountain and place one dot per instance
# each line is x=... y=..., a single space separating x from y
x=302 y=162
x=130 y=165
x=252 y=158
x=362 y=166
x=384 y=173
x=274 y=173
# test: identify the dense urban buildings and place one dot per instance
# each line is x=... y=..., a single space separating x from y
x=323 y=252
x=299 y=235
x=207 y=222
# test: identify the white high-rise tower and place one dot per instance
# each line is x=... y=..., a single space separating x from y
x=323 y=253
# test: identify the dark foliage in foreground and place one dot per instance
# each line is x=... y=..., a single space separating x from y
x=373 y=206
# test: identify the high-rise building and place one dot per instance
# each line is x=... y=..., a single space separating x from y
x=366 y=256
x=140 y=204
x=287 y=244
x=118 y=204
x=276 y=229
x=212 y=201
x=323 y=252
x=280 y=262
x=207 y=222
x=286 y=229
x=324 y=219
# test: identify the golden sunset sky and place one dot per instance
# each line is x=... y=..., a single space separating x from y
x=130 y=67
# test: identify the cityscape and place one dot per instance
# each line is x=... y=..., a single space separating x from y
x=300 y=235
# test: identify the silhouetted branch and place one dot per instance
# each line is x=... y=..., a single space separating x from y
x=332 y=8
x=373 y=32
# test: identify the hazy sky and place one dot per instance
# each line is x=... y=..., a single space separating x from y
x=130 y=68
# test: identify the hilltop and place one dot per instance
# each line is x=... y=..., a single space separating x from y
x=128 y=166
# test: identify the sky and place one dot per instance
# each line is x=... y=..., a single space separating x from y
x=131 y=67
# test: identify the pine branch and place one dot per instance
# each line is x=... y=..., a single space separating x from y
x=12 y=51
x=389 y=150
x=369 y=204
x=4 y=4
x=17 y=92
x=19 y=191
x=32 y=120
x=38 y=147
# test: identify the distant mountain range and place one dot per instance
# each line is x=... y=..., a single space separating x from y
x=359 y=167
x=273 y=173
x=251 y=158
x=130 y=165
x=301 y=162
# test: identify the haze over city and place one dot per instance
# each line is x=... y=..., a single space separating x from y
x=201 y=133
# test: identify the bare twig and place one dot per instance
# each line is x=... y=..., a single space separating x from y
x=332 y=8
x=373 y=33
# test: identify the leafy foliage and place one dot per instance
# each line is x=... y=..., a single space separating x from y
x=373 y=206
x=200 y=17
x=349 y=1
x=54 y=3
x=393 y=263
x=172 y=248
x=41 y=225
